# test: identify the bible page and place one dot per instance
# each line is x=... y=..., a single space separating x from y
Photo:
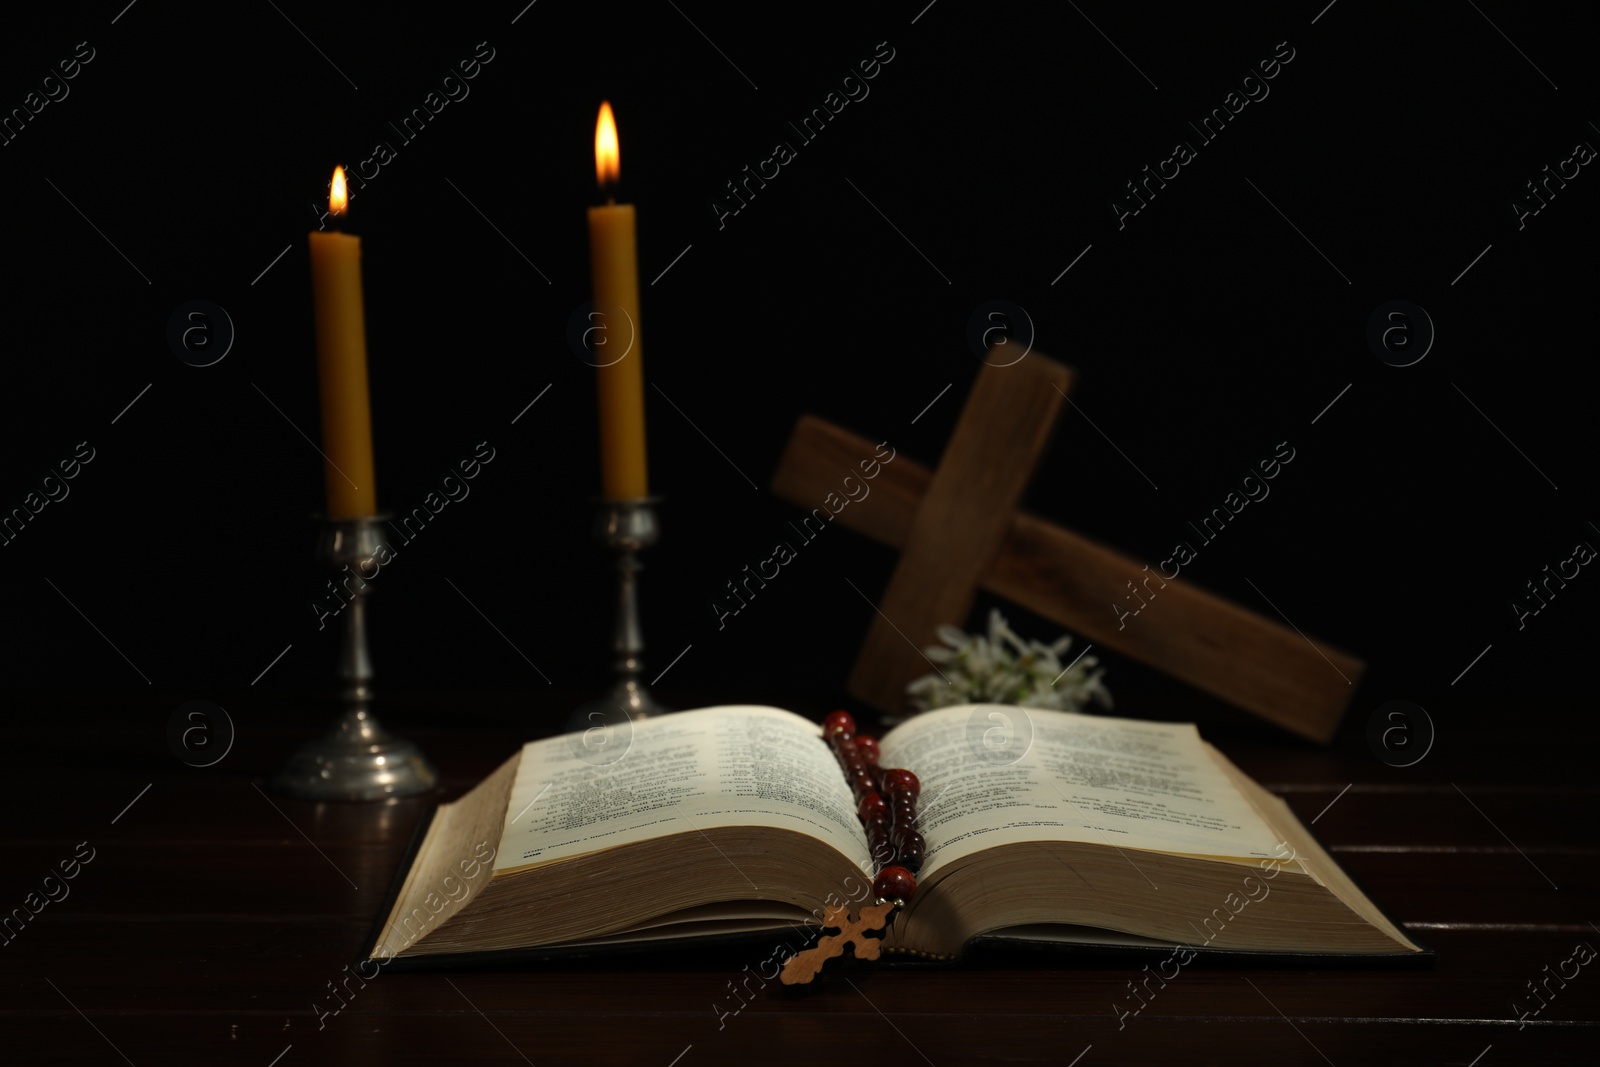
x=689 y=771
x=996 y=774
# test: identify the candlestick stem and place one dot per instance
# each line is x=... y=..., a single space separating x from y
x=355 y=656
x=357 y=759
x=627 y=527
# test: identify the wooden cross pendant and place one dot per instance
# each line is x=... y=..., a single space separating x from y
x=865 y=932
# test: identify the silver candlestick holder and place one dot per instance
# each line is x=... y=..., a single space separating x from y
x=626 y=527
x=357 y=759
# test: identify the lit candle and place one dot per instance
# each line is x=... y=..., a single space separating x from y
x=342 y=364
x=613 y=259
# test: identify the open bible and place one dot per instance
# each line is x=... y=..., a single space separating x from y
x=1041 y=827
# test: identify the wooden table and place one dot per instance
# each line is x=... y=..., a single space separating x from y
x=212 y=916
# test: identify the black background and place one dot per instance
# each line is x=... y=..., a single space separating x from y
x=1204 y=332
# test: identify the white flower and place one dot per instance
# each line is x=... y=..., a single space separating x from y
x=1000 y=668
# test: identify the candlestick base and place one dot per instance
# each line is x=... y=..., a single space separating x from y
x=357 y=759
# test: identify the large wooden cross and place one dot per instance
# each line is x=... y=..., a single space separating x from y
x=959 y=529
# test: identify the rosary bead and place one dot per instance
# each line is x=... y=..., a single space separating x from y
x=910 y=850
x=901 y=781
x=872 y=805
x=894 y=883
x=868 y=747
x=838 y=722
x=882 y=848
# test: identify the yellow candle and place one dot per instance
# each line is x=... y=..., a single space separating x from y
x=614 y=267
x=342 y=365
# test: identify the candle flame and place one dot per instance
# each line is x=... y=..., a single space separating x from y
x=607 y=156
x=338 y=194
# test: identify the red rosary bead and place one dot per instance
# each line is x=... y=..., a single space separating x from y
x=872 y=805
x=868 y=747
x=911 y=851
x=882 y=851
x=901 y=781
x=838 y=722
x=894 y=883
